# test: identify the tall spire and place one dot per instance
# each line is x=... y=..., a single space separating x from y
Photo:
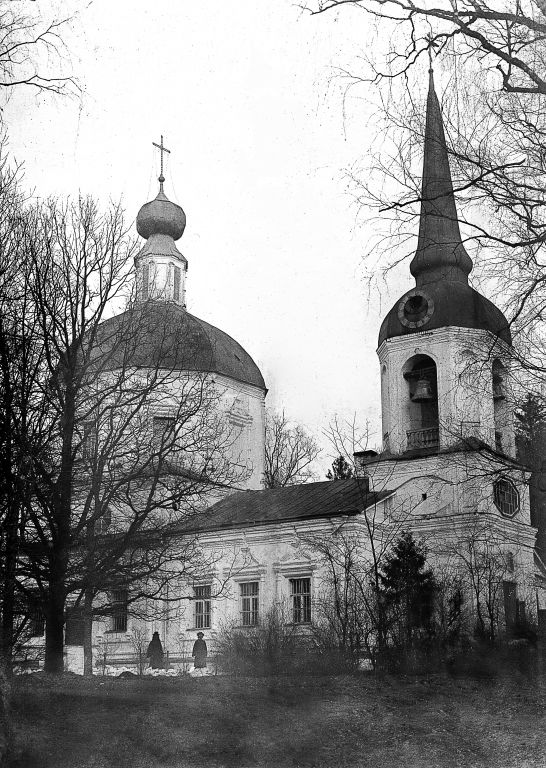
x=440 y=254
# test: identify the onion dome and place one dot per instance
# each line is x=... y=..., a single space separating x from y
x=161 y=217
x=442 y=296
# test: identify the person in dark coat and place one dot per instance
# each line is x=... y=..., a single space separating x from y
x=200 y=652
x=155 y=652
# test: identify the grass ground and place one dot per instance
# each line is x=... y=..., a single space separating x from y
x=280 y=722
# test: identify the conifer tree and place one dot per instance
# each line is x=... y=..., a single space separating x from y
x=531 y=451
x=407 y=590
x=341 y=469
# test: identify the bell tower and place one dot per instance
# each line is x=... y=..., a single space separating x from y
x=444 y=349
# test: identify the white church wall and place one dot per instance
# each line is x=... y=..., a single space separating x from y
x=448 y=501
x=244 y=406
x=269 y=556
x=464 y=360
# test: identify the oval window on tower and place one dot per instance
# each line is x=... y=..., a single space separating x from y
x=506 y=497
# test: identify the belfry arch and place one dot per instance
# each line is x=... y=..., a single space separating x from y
x=501 y=409
x=420 y=407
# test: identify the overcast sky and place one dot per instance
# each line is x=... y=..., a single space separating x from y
x=261 y=133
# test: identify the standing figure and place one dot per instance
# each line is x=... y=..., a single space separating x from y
x=155 y=652
x=200 y=652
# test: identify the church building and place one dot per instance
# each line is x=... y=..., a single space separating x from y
x=447 y=471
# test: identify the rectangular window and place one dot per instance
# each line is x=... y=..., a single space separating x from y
x=300 y=594
x=36 y=622
x=74 y=627
x=202 y=606
x=104 y=522
x=177 y=283
x=145 y=281
x=162 y=429
x=120 y=599
x=249 y=603
x=89 y=442
x=498 y=442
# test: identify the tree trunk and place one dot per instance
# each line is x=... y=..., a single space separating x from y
x=88 y=633
x=5 y=719
x=9 y=578
x=11 y=513
x=58 y=557
x=54 y=644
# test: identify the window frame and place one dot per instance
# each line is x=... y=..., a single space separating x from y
x=249 y=603
x=159 y=435
x=36 y=621
x=508 y=507
x=120 y=610
x=202 y=607
x=300 y=600
x=89 y=440
x=177 y=282
x=146 y=281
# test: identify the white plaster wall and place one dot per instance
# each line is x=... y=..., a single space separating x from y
x=241 y=408
x=273 y=554
x=448 y=499
x=244 y=406
x=464 y=359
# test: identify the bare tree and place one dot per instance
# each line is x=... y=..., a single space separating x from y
x=504 y=37
x=480 y=559
x=494 y=115
x=127 y=448
x=289 y=452
x=28 y=46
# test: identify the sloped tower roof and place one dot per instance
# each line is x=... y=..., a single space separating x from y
x=441 y=266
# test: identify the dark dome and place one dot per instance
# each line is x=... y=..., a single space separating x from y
x=441 y=304
x=157 y=334
x=161 y=217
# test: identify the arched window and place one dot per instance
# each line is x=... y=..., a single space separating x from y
x=422 y=402
x=500 y=414
x=176 y=283
x=145 y=281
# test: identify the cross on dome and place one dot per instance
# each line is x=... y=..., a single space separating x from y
x=162 y=149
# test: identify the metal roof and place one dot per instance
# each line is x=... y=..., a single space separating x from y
x=332 y=498
x=164 y=335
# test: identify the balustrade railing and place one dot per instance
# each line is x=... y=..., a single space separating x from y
x=423 y=438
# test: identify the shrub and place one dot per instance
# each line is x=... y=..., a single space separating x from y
x=268 y=648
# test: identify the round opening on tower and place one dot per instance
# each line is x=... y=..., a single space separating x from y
x=415 y=309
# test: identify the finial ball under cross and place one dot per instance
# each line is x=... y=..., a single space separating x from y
x=162 y=149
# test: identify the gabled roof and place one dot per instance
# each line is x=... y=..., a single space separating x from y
x=294 y=502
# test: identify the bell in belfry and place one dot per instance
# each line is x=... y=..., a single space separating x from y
x=423 y=392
